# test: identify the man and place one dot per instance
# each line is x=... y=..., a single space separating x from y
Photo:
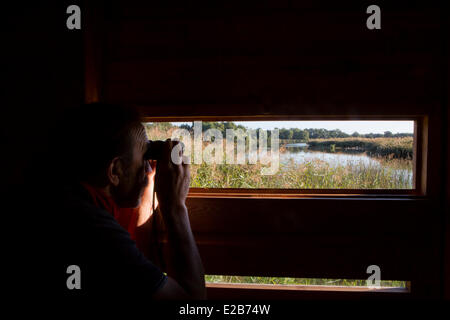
x=106 y=171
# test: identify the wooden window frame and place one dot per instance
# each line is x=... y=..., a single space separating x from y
x=419 y=160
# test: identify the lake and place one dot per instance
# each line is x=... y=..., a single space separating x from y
x=300 y=154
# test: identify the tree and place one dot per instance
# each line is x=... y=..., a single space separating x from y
x=296 y=134
x=305 y=135
x=285 y=133
x=186 y=127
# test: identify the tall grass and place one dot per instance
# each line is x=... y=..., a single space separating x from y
x=315 y=174
x=387 y=147
x=394 y=171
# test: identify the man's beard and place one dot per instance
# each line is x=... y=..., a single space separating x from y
x=129 y=193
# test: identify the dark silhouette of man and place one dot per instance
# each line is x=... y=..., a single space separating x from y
x=105 y=175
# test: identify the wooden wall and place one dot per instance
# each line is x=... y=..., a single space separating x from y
x=303 y=58
x=299 y=59
x=447 y=161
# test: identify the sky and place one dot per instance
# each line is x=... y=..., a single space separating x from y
x=361 y=126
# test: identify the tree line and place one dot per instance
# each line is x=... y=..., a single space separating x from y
x=314 y=133
x=284 y=133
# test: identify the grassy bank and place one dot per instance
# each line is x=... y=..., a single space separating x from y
x=315 y=174
x=386 y=147
x=394 y=155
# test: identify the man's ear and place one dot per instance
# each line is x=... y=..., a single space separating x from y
x=115 y=171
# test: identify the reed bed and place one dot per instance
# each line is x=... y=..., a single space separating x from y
x=387 y=147
x=315 y=174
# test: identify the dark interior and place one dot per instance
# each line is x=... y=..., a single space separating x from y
x=261 y=58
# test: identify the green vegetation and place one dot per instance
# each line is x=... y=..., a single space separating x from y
x=298 y=134
x=315 y=174
x=394 y=171
x=401 y=147
x=298 y=281
x=166 y=126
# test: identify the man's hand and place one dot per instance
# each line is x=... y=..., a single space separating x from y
x=185 y=269
x=172 y=180
x=145 y=209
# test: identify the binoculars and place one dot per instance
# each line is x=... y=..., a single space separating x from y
x=155 y=149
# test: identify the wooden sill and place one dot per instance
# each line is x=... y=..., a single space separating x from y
x=301 y=193
x=313 y=193
x=304 y=287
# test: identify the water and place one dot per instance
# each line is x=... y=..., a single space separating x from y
x=296 y=145
x=300 y=154
x=304 y=155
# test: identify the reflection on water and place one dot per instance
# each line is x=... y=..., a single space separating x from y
x=304 y=155
x=296 y=145
x=299 y=153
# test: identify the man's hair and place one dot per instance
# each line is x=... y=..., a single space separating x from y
x=94 y=134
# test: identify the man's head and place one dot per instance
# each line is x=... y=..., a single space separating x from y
x=106 y=149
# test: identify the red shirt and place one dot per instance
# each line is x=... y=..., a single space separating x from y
x=126 y=217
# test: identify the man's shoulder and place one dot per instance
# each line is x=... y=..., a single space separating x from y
x=103 y=247
x=77 y=200
x=82 y=218
x=88 y=228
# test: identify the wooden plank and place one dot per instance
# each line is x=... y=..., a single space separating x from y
x=280 y=287
x=286 y=30
x=446 y=107
x=317 y=240
x=93 y=52
x=304 y=66
x=248 y=57
x=301 y=193
x=225 y=293
x=321 y=54
x=139 y=8
x=301 y=215
x=326 y=261
x=298 y=90
x=261 y=109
